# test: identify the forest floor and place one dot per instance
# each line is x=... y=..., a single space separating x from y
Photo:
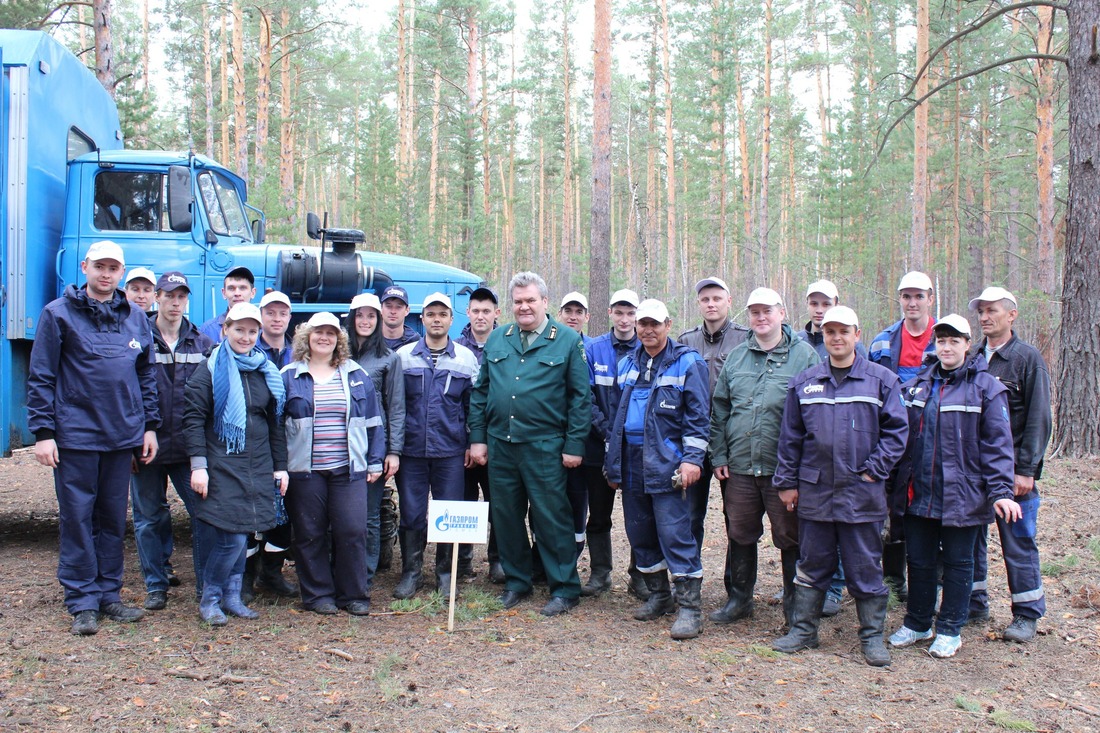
x=594 y=669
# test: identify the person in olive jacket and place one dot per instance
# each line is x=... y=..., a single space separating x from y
x=238 y=455
x=746 y=412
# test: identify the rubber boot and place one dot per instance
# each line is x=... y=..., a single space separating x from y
x=231 y=600
x=271 y=574
x=210 y=605
x=659 y=602
x=893 y=569
x=443 y=554
x=466 y=562
x=872 y=620
x=412 y=563
x=637 y=585
x=689 y=619
x=599 y=579
x=248 y=579
x=742 y=565
x=805 y=618
x=789 y=560
x=387 y=527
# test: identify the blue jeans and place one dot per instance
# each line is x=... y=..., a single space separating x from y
x=924 y=540
x=226 y=556
x=153 y=521
x=658 y=525
x=374 y=528
x=1021 y=556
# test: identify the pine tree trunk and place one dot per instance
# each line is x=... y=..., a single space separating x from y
x=208 y=82
x=1044 y=171
x=919 y=243
x=145 y=44
x=762 y=225
x=226 y=111
x=469 y=164
x=670 y=152
x=103 y=24
x=433 y=158
x=1077 y=428
x=286 y=129
x=240 y=108
x=263 y=97
x=567 y=146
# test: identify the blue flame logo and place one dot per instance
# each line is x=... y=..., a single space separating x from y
x=444 y=522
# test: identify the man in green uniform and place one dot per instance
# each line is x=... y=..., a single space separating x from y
x=530 y=412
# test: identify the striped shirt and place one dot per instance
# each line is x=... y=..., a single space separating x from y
x=330 y=425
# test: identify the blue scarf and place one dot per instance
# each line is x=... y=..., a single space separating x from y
x=230 y=410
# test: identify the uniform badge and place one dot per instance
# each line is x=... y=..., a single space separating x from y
x=134 y=344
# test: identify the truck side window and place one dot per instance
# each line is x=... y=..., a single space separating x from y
x=131 y=201
x=78 y=144
x=223 y=206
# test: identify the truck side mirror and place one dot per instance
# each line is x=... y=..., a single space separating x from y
x=313 y=226
x=179 y=198
x=259 y=231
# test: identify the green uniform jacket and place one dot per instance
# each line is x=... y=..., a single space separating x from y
x=543 y=393
x=747 y=409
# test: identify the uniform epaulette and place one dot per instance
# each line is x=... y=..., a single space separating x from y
x=511 y=328
x=553 y=333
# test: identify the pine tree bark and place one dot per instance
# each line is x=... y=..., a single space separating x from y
x=287 y=134
x=433 y=156
x=1044 y=171
x=567 y=241
x=762 y=227
x=263 y=97
x=240 y=108
x=1077 y=428
x=103 y=24
x=208 y=81
x=226 y=111
x=670 y=151
x=919 y=234
x=599 y=257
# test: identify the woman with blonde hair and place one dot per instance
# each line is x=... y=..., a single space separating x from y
x=335 y=445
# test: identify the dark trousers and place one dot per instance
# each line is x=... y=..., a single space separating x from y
x=576 y=488
x=92 y=488
x=443 y=478
x=745 y=501
x=153 y=521
x=658 y=525
x=477 y=479
x=928 y=545
x=530 y=476
x=1021 y=554
x=699 y=496
x=823 y=544
x=328 y=512
x=226 y=556
x=601 y=501
x=374 y=528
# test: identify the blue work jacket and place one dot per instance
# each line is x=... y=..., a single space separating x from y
x=603 y=354
x=959 y=459
x=173 y=370
x=834 y=433
x=437 y=399
x=677 y=415
x=886 y=349
x=366 y=434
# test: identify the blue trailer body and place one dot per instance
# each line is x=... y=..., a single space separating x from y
x=67 y=183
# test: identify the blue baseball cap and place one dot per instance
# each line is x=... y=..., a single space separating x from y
x=395 y=291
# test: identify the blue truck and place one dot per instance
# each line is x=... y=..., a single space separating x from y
x=67 y=182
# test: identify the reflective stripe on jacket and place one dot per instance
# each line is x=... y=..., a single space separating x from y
x=437 y=399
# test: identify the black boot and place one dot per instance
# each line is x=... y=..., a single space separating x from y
x=465 y=562
x=689 y=619
x=637 y=585
x=251 y=570
x=659 y=602
x=742 y=564
x=412 y=563
x=443 y=554
x=271 y=574
x=599 y=579
x=893 y=569
x=387 y=528
x=789 y=560
x=872 y=620
x=805 y=618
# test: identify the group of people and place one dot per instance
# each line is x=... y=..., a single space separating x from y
x=871 y=465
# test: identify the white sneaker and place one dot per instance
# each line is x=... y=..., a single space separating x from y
x=945 y=646
x=905 y=636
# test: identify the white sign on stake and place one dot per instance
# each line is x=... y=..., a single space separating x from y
x=454 y=522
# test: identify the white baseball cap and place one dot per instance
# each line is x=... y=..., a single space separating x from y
x=915 y=280
x=841 y=314
x=141 y=272
x=574 y=297
x=954 y=322
x=992 y=295
x=105 y=250
x=274 y=296
x=652 y=309
x=825 y=287
x=242 y=311
x=437 y=298
x=624 y=296
x=323 y=318
x=764 y=296
x=707 y=282
x=366 y=300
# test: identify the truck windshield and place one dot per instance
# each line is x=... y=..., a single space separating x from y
x=223 y=206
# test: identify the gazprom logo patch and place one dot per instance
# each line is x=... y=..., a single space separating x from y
x=447 y=522
x=813 y=388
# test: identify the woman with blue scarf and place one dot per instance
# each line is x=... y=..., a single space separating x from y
x=234 y=402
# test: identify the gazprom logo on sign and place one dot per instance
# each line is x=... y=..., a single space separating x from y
x=458 y=521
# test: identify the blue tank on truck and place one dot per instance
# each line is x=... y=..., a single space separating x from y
x=68 y=182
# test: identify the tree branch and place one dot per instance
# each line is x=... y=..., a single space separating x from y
x=954 y=80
